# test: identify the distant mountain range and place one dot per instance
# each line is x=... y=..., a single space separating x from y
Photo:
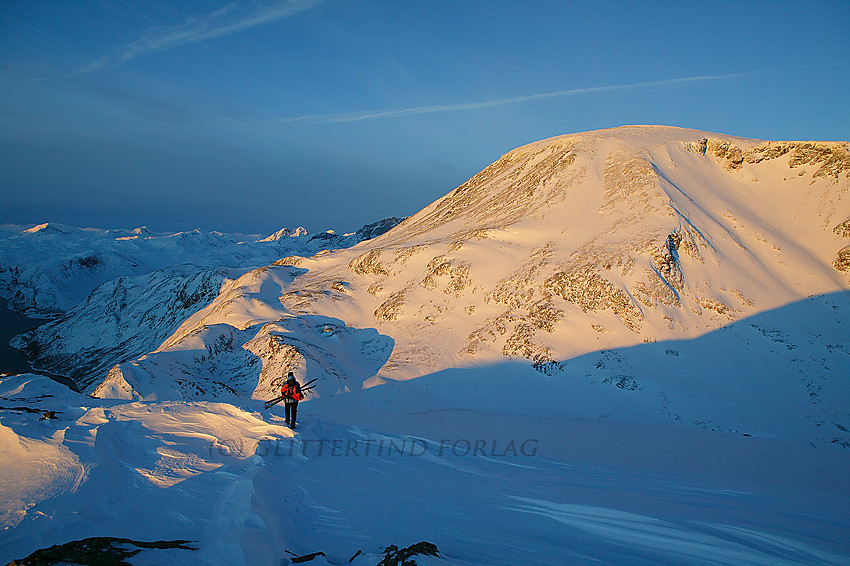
x=116 y=294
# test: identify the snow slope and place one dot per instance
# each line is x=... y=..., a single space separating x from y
x=134 y=288
x=149 y=469
x=428 y=459
x=121 y=319
x=48 y=269
x=579 y=244
x=621 y=347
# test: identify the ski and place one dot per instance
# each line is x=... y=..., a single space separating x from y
x=274 y=401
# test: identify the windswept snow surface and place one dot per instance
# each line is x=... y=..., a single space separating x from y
x=150 y=470
x=620 y=347
x=426 y=459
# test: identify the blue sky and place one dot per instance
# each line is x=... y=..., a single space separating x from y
x=252 y=115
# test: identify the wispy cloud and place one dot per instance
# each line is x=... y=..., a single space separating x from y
x=225 y=21
x=377 y=114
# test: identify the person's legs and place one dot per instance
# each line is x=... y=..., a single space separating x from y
x=287 y=410
x=294 y=412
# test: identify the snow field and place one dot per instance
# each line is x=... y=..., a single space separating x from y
x=687 y=401
x=618 y=488
x=148 y=471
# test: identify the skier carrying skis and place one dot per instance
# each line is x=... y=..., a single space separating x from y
x=291 y=392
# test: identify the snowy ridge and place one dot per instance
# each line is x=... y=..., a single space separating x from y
x=48 y=269
x=536 y=491
x=285 y=233
x=134 y=288
x=121 y=319
x=619 y=347
x=579 y=244
x=248 y=357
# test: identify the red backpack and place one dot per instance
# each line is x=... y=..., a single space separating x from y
x=292 y=390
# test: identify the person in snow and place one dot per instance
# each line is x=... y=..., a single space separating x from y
x=291 y=392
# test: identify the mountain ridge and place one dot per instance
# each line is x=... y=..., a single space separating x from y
x=49 y=268
x=115 y=298
x=627 y=347
x=563 y=247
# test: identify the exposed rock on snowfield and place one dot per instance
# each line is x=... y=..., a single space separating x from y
x=831 y=159
x=843 y=229
x=98 y=550
x=843 y=261
x=560 y=248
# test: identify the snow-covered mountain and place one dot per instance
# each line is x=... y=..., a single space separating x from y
x=48 y=269
x=627 y=346
x=571 y=249
x=134 y=288
x=121 y=319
